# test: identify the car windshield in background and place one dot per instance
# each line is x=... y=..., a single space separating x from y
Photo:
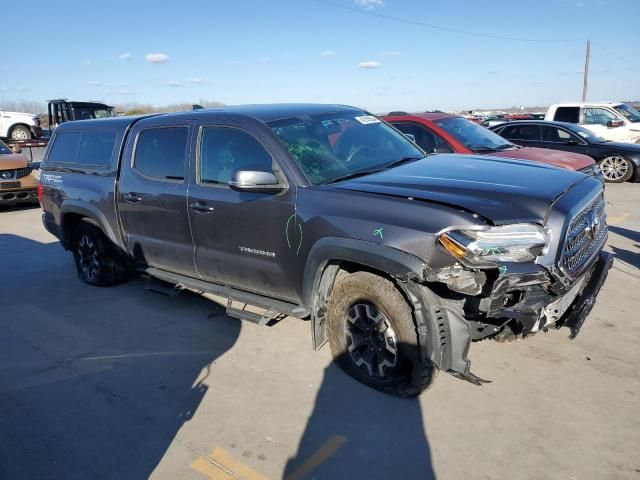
x=475 y=137
x=90 y=113
x=329 y=147
x=4 y=150
x=586 y=134
x=628 y=112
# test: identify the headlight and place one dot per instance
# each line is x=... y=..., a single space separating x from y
x=521 y=242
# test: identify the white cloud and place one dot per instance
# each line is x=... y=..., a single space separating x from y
x=580 y=4
x=157 y=58
x=174 y=83
x=392 y=53
x=369 y=65
x=264 y=59
x=122 y=85
x=369 y=4
x=88 y=62
x=197 y=80
x=328 y=53
x=94 y=83
x=125 y=56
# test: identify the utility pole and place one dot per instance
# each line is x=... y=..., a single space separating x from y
x=586 y=72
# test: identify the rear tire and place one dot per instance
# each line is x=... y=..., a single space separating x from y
x=97 y=261
x=373 y=337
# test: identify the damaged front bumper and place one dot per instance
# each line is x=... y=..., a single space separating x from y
x=448 y=324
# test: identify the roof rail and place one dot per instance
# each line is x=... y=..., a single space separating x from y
x=396 y=113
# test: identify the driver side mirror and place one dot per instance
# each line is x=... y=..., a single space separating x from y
x=615 y=123
x=255 y=181
x=16 y=149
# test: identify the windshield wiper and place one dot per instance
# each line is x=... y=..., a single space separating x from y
x=362 y=173
x=481 y=148
x=357 y=173
x=504 y=146
x=401 y=161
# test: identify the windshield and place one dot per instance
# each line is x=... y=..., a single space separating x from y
x=584 y=133
x=628 y=112
x=87 y=113
x=4 y=150
x=475 y=137
x=331 y=146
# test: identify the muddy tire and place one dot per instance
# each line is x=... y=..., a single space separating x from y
x=97 y=261
x=373 y=337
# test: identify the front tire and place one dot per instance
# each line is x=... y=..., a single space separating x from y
x=373 y=337
x=97 y=261
x=616 y=169
x=20 y=132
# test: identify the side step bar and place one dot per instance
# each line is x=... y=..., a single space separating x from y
x=267 y=318
x=274 y=307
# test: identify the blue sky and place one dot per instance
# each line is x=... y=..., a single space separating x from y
x=250 y=51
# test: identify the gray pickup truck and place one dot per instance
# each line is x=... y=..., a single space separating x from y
x=324 y=212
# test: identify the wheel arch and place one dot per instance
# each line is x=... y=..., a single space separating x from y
x=19 y=124
x=73 y=212
x=331 y=255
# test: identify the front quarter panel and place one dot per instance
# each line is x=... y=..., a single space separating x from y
x=376 y=223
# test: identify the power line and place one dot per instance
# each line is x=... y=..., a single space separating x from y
x=608 y=52
x=436 y=27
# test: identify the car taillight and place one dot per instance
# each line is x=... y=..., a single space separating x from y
x=40 y=193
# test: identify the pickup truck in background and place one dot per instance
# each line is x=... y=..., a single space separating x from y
x=19 y=126
x=613 y=121
x=398 y=259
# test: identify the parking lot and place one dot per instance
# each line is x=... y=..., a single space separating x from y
x=126 y=383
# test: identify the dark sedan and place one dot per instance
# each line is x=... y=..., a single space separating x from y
x=619 y=162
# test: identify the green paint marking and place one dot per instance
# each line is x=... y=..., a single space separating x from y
x=286 y=233
x=502 y=269
x=378 y=233
x=286 y=229
x=492 y=251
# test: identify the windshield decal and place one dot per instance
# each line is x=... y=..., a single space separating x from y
x=367 y=119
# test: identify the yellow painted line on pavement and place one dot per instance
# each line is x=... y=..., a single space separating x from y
x=221 y=465
x=321 y=455
x=618 y=219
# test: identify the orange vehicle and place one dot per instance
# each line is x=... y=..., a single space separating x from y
x=18 y=181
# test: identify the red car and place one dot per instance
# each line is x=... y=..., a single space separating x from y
x=438 y=132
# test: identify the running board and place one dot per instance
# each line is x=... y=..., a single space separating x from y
x=164 y=288
x=267 y=318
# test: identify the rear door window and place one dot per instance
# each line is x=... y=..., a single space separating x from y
x=556 y=135
x=161 y=153
x=521 y=132
x=567 y=114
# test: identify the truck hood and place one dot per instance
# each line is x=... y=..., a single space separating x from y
x=19 y=114
x=500 y=189
x=13 y=160
x=557 y=158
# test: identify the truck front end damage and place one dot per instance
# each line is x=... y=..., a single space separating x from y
x=471 y=299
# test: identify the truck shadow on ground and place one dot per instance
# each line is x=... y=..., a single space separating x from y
x=96 y=382
x=627 y=256
x=357 y=432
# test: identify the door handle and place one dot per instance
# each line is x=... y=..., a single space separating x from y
x=132 y=197
x=201 y=207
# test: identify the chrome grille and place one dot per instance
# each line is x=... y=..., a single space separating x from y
x=23 y=172
x=14 y=174
x=585 y=235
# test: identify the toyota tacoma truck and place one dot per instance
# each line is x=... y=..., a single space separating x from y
x=398 y=259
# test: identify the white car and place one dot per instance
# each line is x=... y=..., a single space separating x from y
x=19 y=126
x=613 y=121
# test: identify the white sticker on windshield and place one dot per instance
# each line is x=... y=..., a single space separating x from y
x=367 y=119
